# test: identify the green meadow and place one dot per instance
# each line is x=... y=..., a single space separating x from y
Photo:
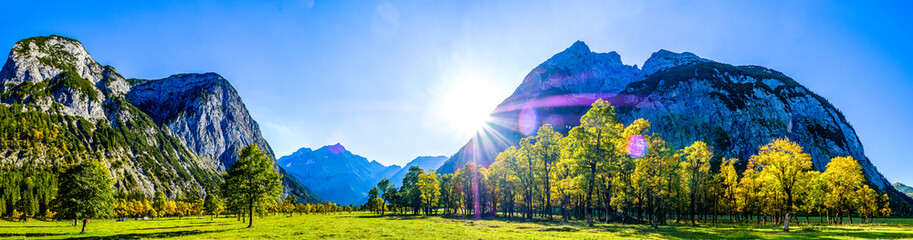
x=370 y=226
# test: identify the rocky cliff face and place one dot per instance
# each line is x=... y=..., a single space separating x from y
x=174 y=134
x=735 y=109
x=202 y=110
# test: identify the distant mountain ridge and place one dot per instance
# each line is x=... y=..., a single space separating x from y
x=174 y=135
x=903 y=189
x=735 y=109
x=340 y=176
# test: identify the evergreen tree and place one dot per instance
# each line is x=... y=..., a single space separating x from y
x=252 y=183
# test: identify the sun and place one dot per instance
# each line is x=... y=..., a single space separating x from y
x=465 y=103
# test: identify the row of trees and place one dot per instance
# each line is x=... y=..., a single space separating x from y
x=420 y=192
x=605 y=171
x=85 y=190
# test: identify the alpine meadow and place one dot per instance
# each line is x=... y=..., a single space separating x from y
x=456 y=120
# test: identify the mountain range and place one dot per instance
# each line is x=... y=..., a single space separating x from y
x=686 y=98
x=176 y=135
x=340 y=176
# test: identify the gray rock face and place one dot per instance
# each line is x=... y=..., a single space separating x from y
x=686 y=98
x=206 y=113
x=74 y=78
x=202 y=110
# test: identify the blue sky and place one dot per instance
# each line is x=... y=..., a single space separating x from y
x=393 y=80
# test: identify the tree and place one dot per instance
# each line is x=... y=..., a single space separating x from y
x=87 y=192
x=783 y=163
x=730 y=180
x=213 y=205
x=526 y=173
x=886 y=208
x=866 y=202
x=843 y=176
x=158 y=202
x=547 y=151
x=695 y=169
x=430 y=190
x=252 y=182
x=373 y=204
x=593 y=147
x=27 y=204
x=412 y=196
x=288 y=204
x=654 y=178
x=382 y=187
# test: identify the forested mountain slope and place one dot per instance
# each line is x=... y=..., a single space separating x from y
x=174 y=135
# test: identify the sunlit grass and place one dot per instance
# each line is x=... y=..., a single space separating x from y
x=370 y=226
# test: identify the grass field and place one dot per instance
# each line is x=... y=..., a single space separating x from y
x=370 y=226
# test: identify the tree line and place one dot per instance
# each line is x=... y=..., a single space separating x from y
x=606 y=171
x=85 y=190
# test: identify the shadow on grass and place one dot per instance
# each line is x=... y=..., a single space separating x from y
x=388 y=216
x=748 y=232
x=28 y=235
x=151 y=235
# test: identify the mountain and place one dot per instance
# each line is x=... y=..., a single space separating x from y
x=176 y=135
x=903 y=189
x=424 y=162
x=336 y=174
x=735 y=109
x=340 y=176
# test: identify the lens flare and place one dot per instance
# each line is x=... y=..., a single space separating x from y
x=527 y=122
x=637 y=146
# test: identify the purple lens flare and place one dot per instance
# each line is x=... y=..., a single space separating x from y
x=637 y=146
x=528 y=121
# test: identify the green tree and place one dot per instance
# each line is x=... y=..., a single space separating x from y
x=252 y=182
x=288 y=204
x=213 y=205
x=158 y=202
x=28 y=203
x=87 y=192
x=382 y=186
x=594 y=147
x=783 y=163
x=547 y=151
x=695 y=170
x=412 y=196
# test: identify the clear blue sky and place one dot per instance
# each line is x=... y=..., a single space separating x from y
x=373 y=75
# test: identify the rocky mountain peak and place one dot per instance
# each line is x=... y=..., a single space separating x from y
x=580 y=52
x=204 y=111
x=41 y=58
x=665 y=59
x=58 y=71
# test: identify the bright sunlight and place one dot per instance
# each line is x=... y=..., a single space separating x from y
x=464 y=103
